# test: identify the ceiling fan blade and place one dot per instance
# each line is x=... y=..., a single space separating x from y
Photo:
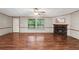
x=39 y=11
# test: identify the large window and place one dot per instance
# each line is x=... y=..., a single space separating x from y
x=35 y=23
x=31 y=23
x=40 y=23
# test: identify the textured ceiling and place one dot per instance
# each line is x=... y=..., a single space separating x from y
x=50 y=12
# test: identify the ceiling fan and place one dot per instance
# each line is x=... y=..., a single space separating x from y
x=39 y=11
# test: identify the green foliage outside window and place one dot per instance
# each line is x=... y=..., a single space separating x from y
x=40 y=22
x=33 y=23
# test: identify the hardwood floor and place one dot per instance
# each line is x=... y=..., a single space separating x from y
x=38 y=41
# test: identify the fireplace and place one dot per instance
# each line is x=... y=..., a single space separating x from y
x=60 y=29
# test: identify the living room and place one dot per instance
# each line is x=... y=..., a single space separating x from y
x=39 y=28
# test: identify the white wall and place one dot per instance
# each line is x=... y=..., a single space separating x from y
x=48 y=24
x=75 y=25
x=15 y=24
x=5 y=24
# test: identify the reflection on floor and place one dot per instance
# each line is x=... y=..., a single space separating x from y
x=38 y=41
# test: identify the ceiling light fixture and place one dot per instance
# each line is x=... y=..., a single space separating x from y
x=35 y=13
x=38 y=11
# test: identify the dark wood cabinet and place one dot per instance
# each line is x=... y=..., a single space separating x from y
x=60 y=29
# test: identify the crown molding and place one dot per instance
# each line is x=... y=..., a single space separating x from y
x=5 y=14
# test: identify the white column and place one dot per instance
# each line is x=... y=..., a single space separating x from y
x=15 y=24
